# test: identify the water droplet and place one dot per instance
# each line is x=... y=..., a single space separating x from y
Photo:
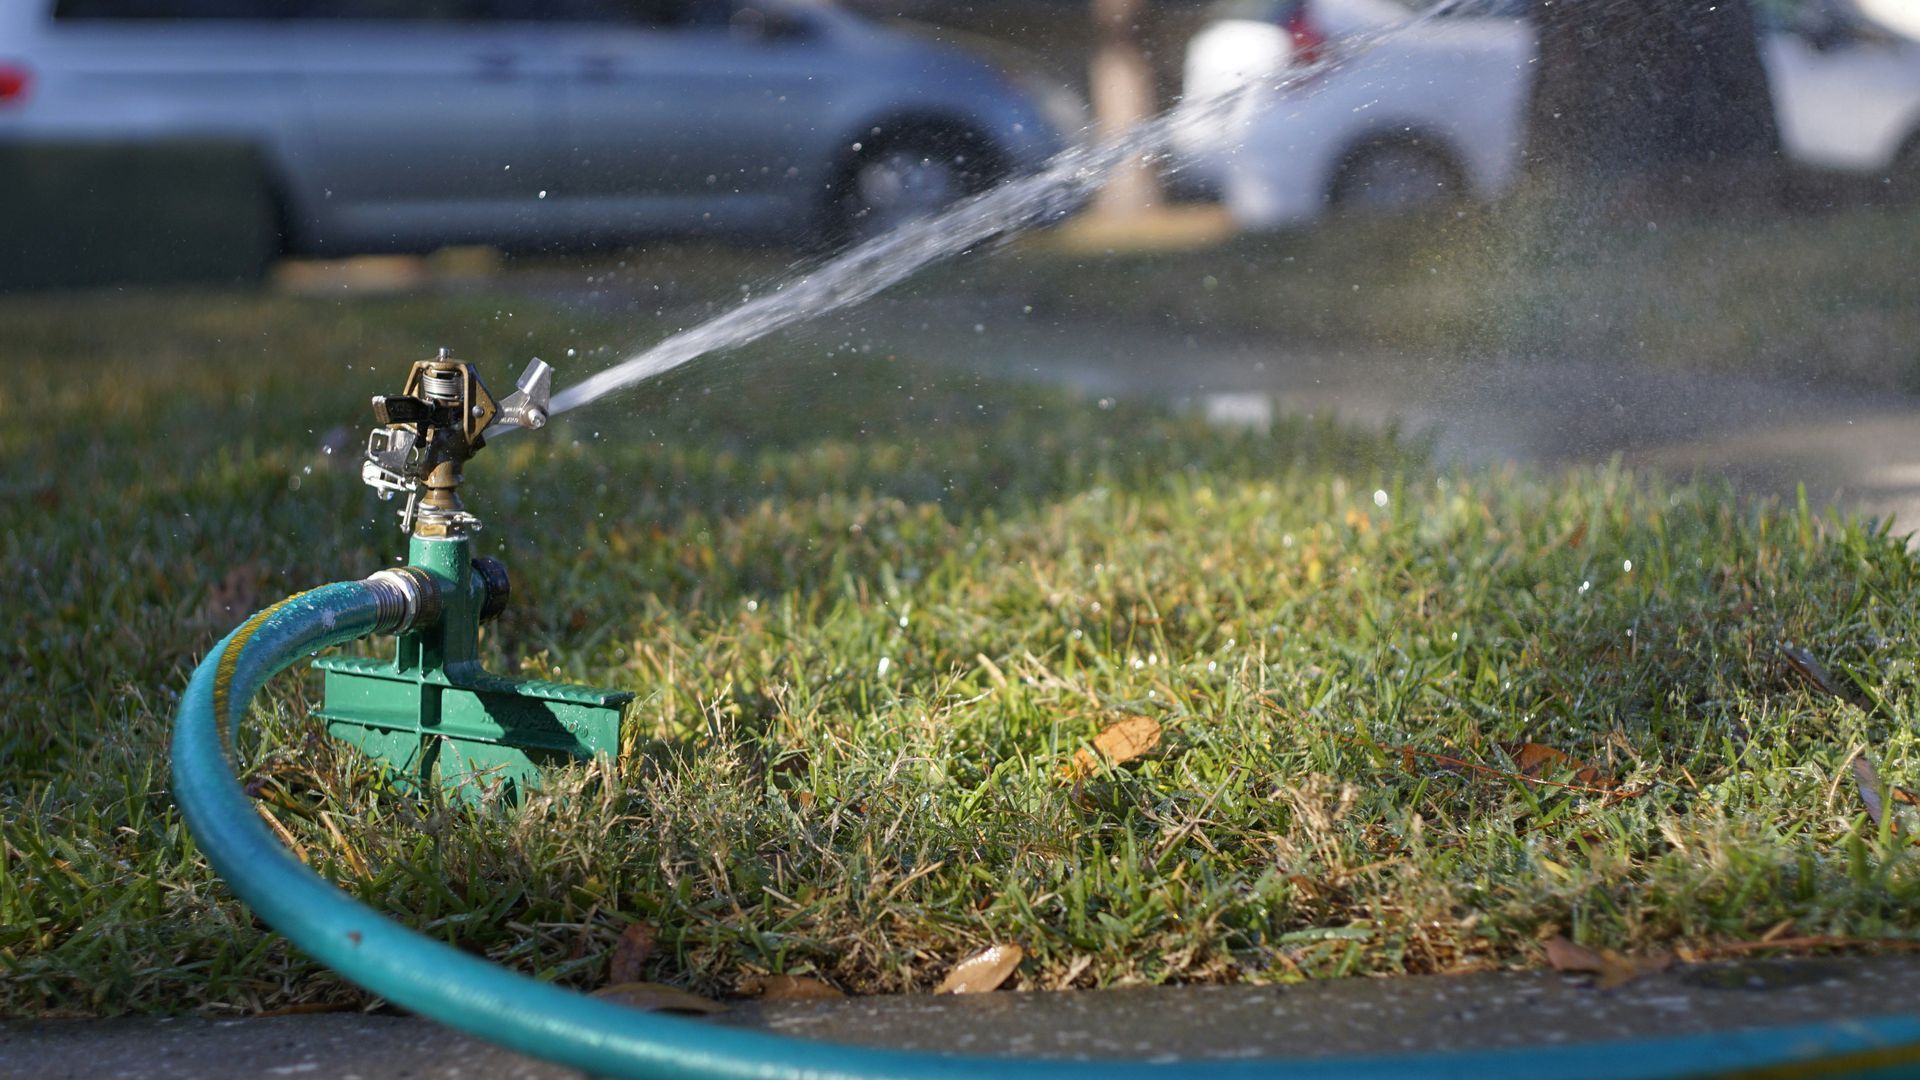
x=1627 y=567
x=543 y=194
x=1380 y=498
x=1585 y=585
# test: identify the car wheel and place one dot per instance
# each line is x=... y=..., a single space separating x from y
x=890 y=183
x=1394 y=176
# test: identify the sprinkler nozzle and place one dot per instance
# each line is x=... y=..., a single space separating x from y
x=426 y=433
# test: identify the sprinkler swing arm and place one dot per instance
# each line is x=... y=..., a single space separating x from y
x=431 y=712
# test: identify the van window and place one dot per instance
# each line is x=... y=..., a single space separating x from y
x=171 y=9
x=389 y=10
x=629 y=12
x=419 y=10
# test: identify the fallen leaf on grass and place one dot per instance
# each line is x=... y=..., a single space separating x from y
x=629 y=964
x=658 y=997
x=1538 y=759
x=1118 y=743
x=1810 y=669
x=1612 y=969
x=983 y=971
x=1535 y=761
x=1872 y=792
x=789 y=988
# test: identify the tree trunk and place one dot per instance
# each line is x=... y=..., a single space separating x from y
x=1666 y=98
x=1121 y=83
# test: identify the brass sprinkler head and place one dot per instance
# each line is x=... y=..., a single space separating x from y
x=426 y=433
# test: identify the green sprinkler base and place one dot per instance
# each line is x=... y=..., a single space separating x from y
x=437 y=980
x=440 y=720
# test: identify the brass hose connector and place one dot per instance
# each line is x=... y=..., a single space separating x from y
x=405 y=598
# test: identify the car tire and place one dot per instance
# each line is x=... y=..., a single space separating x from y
x=1394 y=177
x=893 y=179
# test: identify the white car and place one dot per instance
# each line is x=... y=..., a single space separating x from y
x=1440 y=109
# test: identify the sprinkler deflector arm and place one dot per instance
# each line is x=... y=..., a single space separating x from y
x=465 y=992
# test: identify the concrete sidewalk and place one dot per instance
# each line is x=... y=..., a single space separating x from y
x=1335 y=1018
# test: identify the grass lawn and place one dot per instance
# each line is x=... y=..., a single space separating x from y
x=873 y=613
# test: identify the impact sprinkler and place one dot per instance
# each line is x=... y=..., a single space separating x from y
x=432 y=713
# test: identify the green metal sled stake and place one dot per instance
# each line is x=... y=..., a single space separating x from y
x=432 y=713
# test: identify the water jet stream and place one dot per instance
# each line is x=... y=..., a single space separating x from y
x=1065 y=184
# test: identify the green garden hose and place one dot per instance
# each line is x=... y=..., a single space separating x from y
x=439 y=981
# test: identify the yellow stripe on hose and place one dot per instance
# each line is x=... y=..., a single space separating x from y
x=1853 y=1064
x=229 y=662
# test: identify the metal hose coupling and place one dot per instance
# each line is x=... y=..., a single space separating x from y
x=405 y=598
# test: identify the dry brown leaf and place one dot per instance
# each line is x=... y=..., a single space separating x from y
x=1810 y=669
x=1118 y=743
x=1536 y=760
x=1622 y=970
x=629 y=964
x=1872 y=792
x=658 y=997
x=1610 y=969
x=1565 y=956
x=789 y=988
x=983 y=971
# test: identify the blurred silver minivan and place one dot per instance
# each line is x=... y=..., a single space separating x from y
x=398 y=125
